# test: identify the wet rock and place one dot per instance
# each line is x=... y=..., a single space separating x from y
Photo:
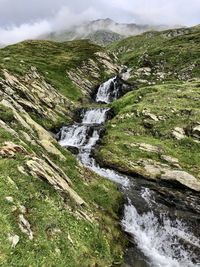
x=73 y=150
x=178 y=133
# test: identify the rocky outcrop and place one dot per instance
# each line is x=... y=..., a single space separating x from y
x=54 y=176
x=102 y=63
x=35 y=95
x=9 y=149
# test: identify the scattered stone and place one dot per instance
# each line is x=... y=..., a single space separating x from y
x=9 y=199
x=171 y=160
x=149 y=148
x=149 y=115
x=22 y=209
x=13 y=239
x=25 y=226
x=178 y=133
x=196 y=132
x=58 y=251
x=22 y=170
x=70 y=239
x=10 y=149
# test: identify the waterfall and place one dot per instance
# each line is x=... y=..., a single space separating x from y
x=108 y=91
x=160 y=238
x=74 y=135
x=164 y=241
x=95 y=116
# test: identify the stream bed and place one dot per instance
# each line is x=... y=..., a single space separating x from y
x=161 y=220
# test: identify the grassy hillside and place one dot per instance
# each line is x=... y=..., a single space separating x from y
x=55 y=230
x=53 y=60
x=53 y=211
x=155 y=126
x=156 y=130
x=155 y=57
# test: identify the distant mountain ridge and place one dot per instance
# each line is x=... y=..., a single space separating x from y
x=102 y=31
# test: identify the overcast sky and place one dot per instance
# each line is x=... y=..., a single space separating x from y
x=25 y=19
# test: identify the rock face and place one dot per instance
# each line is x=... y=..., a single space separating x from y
x=34 y=95
x=10 y=149
x=183 y=178
x=79 y=76
x=40 y=168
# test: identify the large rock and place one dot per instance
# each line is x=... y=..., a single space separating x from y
x=196 y=132
x=47 y=170
x=178 y=133
x=182 y=177
x=155 y=170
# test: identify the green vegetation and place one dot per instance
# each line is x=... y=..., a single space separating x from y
x=149 y=116
x=172 y=53
x=6 y=114
x=52 y=60
x=62 y=234
x=65 y=233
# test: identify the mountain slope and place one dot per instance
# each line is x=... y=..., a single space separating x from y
x=102 y=31
x=159 y=56
x=156 y=130
x=53 y=210
x=58 y=61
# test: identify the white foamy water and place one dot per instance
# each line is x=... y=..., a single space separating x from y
x=74 y=136
x=159 y=242
x=105 y=94
x=95 y=116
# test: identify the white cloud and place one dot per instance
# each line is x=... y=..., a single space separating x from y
x=62 y=20
x=22 y=19
x=185 y=12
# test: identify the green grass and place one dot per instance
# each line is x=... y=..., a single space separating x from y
x=6 y=114
x=177 y=105
x=98 y=242
x=176 y=56
x=52 y=60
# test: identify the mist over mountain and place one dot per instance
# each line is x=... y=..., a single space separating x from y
x=102 y=31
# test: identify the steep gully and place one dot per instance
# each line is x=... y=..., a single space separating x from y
x=161 y=219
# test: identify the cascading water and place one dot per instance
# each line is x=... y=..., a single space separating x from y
x=162 y=239
x=95 y=116
x=108 y=91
